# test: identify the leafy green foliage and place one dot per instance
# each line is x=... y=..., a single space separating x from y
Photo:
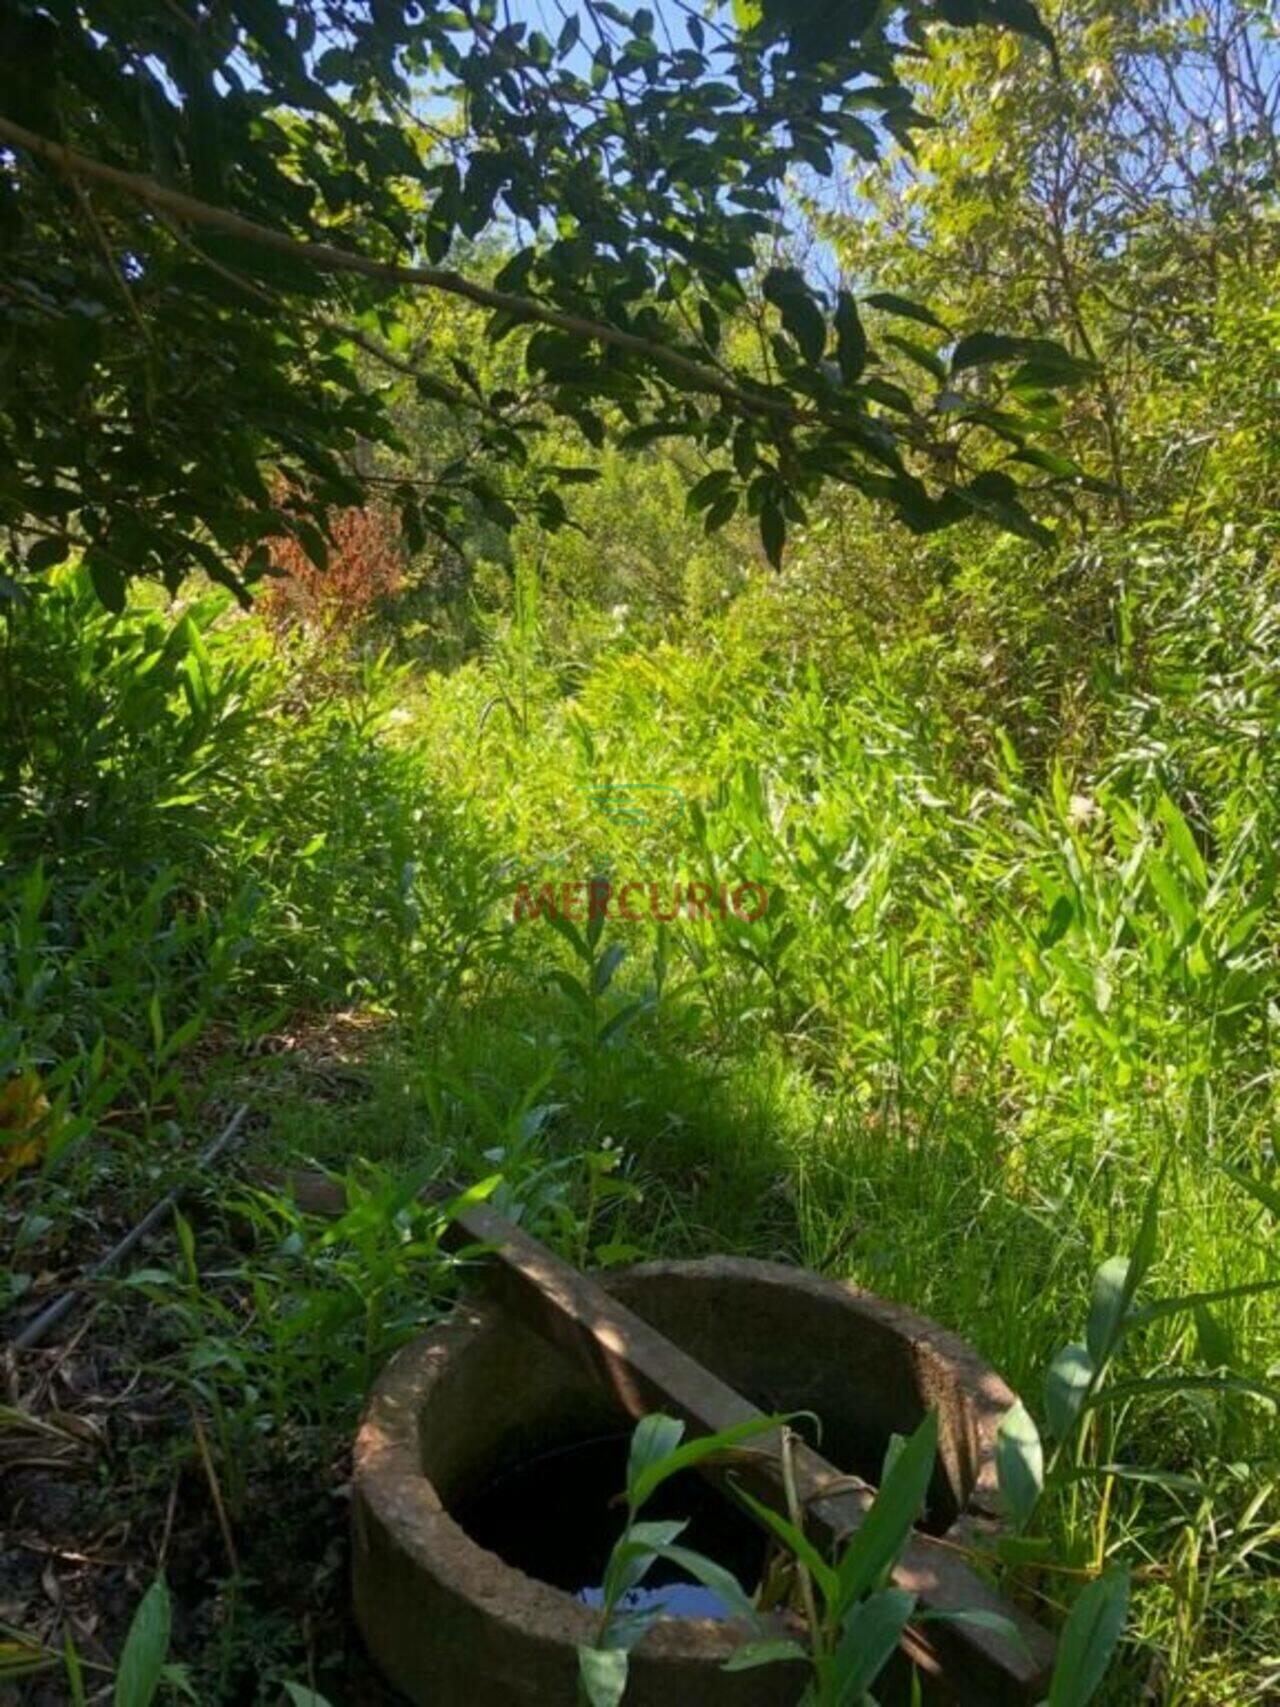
x=1016 y=813
x=142 y=1663
x=300 y=1696
x=875 y=1546
x=656 y=1455
x=1020 y=1464
x=907 y=947
x=858 y=1618
x=862 y=1619
x=602 y=1675
x=206 y=286
x=1089 y=1637
x=135 y=926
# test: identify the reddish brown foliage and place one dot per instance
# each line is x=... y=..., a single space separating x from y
x=366 y=563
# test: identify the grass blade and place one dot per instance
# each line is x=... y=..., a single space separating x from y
x=1089 y=1637
x=145 y=1649
x=873 y=1549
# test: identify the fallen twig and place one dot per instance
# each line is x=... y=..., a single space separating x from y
x=48 y=1318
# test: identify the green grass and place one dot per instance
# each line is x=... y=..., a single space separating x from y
x=989 y=1003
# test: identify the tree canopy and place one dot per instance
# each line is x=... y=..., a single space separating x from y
x=217 y=215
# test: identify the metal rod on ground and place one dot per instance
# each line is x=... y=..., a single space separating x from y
x=62 y=1306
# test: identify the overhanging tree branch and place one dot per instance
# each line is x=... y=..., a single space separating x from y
x=326 y=257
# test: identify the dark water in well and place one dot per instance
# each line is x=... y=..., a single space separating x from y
x=556 y=1517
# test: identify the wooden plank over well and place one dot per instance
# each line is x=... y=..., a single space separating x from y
x=645 y=1371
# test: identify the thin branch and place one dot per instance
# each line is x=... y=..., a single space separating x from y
x=112 y=265
x=326 y=323
x=326 y=258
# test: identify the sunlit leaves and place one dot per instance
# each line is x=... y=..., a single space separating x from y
x=1107 y=1311
x=602 y=1672
x=1067 y=1381
x=664 y=1453
x=1019 y=1464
